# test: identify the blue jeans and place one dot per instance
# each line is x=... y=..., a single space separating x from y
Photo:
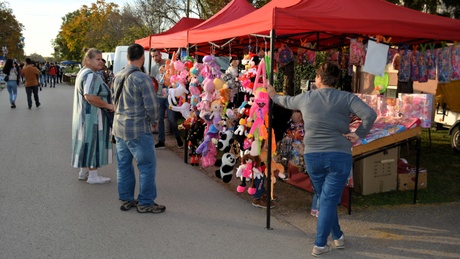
x=12 y=88
x=52 y=81
x=142 y=149
x=328 y=173
x=43 y=79
x=164 y=106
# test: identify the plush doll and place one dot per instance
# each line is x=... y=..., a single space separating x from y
x=213 y=129
x=244 y=171
x=225 y=141
x=184 y=109
x=209 y=159
x=258 y=114
x=210 y=61
x=226 y=164
x=195 y=130
x=207 y=96
x=195 y=95
x=233 y=68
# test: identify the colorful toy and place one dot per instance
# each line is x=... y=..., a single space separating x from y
x=226 y=164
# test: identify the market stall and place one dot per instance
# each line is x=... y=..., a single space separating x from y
x=293 y=26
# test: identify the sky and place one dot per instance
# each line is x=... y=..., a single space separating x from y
x=42 y=20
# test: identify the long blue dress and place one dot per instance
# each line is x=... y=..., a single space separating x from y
x=91 y=146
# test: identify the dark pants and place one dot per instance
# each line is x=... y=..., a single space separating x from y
x=29 y=91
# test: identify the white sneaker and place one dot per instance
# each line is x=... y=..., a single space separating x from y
x=83 y=176
x=340 y=243
x=318 y=251
x=98 y=180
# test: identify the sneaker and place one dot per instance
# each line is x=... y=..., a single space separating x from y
x=154 y=208
x=38 y=105
x=83 y=176
x=180 y=144
x=13 y=105
x=98 y=180
x=317 y=251
x=340 y=243
x=160 y=145
x=262 y=203
x=126 y=205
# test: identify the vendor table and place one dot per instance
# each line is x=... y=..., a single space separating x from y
x=362 y=151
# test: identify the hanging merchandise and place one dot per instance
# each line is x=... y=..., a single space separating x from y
x=284 y=56
x=333 y=55
x=455 y=62
x=405 y=67
x=414 y=64
x=443 y=65
x=357 y=52
x=430 y=56
x=302 y=52
x=376 y=58
x=311 y=55
x=422 y=66
x=381 y=82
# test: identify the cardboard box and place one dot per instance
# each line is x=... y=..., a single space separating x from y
x=376 y=173
x=406 y=182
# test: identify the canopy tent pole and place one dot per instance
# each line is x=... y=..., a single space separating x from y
x=270 y=112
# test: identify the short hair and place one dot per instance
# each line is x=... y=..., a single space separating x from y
x=28 y=61
x=329 y=72
x=90 y=53
x=154 y=50
x=135 y=52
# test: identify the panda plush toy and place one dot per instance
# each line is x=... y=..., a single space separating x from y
x=226 y=164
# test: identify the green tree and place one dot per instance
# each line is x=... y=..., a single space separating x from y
x=10 y=32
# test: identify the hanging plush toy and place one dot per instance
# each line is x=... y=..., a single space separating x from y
x=258 y=114
x=244 y=171
x=226 y=164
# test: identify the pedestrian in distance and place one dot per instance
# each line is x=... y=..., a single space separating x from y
x=52 y=72
x=328 y=141
x=31 y=75
x=11 y=71
x=91 y=146
x=136 y=111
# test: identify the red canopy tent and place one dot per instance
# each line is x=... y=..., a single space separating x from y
x=179 y=38
x=183 y=24
x=331 y=22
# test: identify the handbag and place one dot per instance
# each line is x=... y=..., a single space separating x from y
x=109 y=115
x=6 y=78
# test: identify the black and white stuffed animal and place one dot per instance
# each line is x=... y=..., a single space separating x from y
x=226 y=164
x=225 y=141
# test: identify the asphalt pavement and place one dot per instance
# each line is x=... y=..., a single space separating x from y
x=45 y=212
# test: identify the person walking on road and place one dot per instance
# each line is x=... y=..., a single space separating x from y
x=328 y=141
x=136 y=111
x=11 y=70
x=91 y=147
x=31 y=75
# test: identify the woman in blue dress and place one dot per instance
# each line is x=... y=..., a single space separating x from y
x=91 y=146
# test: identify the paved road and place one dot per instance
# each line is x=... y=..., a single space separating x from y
x=45 y=212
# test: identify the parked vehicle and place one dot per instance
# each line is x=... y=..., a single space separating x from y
x=448 y=111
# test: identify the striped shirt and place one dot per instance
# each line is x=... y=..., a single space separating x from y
x=137 y=108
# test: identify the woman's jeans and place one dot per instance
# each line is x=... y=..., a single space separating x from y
x=328 y=173
x=12 y=88
x=142 y=149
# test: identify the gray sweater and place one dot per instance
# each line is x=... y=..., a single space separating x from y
x=326 y=114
